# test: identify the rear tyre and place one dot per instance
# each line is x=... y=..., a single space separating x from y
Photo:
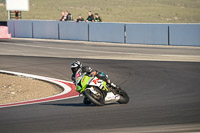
x=124 y=98
x=93 y=98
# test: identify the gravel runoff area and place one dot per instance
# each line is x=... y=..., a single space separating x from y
x=18 y=88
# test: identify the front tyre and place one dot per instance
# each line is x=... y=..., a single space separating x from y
x=86 y=101
x=124 y=98
x=99 y=101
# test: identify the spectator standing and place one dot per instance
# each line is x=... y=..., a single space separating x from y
x=90 y=17
x=97 y=18
x=80 y=18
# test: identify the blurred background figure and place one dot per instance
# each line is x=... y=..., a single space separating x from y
x=80 y=18
x=62 y=16
x=16 y=14
x=68 y=16
x=97 y=18
x=90 y=17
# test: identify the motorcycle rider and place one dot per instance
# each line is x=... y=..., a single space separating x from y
x=77 y=65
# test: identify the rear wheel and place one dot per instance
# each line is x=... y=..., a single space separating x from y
x=97 y=99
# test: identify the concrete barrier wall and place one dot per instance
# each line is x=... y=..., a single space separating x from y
x=11 y=28
x=147 y=33
x=45 y=29
x=73 y=31
x=23 y=29
x=106 y=32
x=184 y=34
x=165 y=34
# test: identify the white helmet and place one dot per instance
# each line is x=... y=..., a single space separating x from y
x=75 y=65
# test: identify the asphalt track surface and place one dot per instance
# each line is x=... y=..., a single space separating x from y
x=162 y=93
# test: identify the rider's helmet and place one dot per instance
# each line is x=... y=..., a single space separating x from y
x=75 y=66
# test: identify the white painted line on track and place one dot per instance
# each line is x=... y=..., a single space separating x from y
x=107 y=43
x=105 y=52
x=68 y=90
x=70 y=49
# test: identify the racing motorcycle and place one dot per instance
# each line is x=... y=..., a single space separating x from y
x=97 y=91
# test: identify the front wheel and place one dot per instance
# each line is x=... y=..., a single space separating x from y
x=86 y=101
x=97 y=99
x=124 y=98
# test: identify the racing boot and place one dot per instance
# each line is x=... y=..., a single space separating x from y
x=113 y=86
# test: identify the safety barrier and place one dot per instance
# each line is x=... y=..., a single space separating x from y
x=23 y=29
x=184 y=34
x=162 y=34
x=4 y=33
x=11 y=28
x=73 y=31
x=147 y=33
x=106 y=32
x=45 y=29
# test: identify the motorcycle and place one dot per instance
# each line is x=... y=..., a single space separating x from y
x=97 y=91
